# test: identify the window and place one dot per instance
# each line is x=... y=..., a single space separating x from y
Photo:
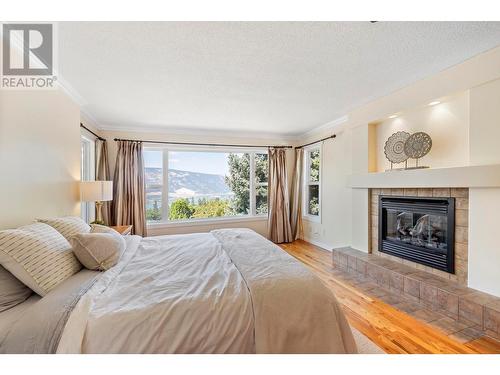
x=261 y=172
x=193 y=184
x=87 y=173
x=312 y=185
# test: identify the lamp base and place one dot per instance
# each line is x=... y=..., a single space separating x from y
x=98 y=211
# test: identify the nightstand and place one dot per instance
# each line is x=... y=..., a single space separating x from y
x=124 y=230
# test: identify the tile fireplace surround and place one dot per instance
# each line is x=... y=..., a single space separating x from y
x=461 y=196
x=436 y=290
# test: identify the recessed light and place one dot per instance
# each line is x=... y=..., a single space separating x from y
x=434 y=103
x=393 y=116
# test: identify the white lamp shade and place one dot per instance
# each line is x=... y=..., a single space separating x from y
x=96 y=191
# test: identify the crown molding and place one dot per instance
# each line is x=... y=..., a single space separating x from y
x=332 y=125
x=197 y=132
x=70 y=91
x=73 y=94
x=329 y=126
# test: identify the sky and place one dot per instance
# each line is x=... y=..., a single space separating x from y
x=202 y=162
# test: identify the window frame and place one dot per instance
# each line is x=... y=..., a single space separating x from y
x=307 y=182
x=251 y=216
x=87 y=173
x=254 y=184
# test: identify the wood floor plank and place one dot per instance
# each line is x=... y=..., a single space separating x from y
x=391 y=329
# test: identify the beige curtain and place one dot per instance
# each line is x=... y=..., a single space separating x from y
x=296 y=198
x=128 y=187
x=278 y=225
x=102 y=174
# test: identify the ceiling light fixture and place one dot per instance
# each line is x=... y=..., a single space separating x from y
x=393 y=116
x=434 y=103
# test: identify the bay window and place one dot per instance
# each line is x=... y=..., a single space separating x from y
x=192 y=184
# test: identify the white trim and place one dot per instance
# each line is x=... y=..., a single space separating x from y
x=87 y=143
x=331 y=125
x=70 y=91
x=85 y=134
x=202 y=148
x=208 y=221
x=319 y=243
x=252 y=190
x=306 y=183
x=165 y=149
x=165 y=209
x=280 y=139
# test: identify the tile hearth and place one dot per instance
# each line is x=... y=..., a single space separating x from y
x=456 y=310
x=461 y=196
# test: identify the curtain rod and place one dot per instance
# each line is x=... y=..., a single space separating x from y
x=200 y=144
x=321 y=140
x=91 y=132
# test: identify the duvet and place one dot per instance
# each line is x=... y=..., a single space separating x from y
x=227 y=291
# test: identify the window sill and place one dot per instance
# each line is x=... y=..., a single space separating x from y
x=201 y=222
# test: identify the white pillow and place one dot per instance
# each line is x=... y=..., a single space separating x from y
x=67 y=225
x=98 y=251
x=12 y=291
x=96 y=228
x=38 y=256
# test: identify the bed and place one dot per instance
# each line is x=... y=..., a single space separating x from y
x=227 y=291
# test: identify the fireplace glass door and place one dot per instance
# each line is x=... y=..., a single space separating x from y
x=418 y=229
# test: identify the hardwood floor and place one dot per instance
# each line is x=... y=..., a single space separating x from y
x=388 y=327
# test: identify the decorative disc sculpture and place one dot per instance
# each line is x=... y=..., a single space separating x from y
x=394 y=148
x=417 y=145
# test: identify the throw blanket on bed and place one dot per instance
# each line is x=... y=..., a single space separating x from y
x=294 y=312
x=229 y=291
x=39 y=330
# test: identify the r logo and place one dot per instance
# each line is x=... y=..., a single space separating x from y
x=36 y=41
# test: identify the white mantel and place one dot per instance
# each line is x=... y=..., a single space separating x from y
x=479 y=176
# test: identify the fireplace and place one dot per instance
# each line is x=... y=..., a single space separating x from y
x=418 y=229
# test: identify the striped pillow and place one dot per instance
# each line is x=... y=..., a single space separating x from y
x=68 y=225
x=38 y=256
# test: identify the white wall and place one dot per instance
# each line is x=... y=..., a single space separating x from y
x=39 y=156
x=484 y=204
x=447 y=124
x=484 y=247
x=360 y=163
x=334 y=229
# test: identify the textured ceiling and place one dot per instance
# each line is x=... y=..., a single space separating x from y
x=269 y=77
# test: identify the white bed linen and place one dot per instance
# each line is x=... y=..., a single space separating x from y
x=228 y=291
x=169 y=294
x=12 y=315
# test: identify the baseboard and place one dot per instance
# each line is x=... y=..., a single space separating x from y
x=318 y=243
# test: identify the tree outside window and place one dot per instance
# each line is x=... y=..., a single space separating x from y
x=312 y=185
x=185 y=185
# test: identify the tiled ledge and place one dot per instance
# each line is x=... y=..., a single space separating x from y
x=458 y=302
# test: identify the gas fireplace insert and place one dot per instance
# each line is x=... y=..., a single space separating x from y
x=418 y=229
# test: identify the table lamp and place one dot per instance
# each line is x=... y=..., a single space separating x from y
x=98 y=192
